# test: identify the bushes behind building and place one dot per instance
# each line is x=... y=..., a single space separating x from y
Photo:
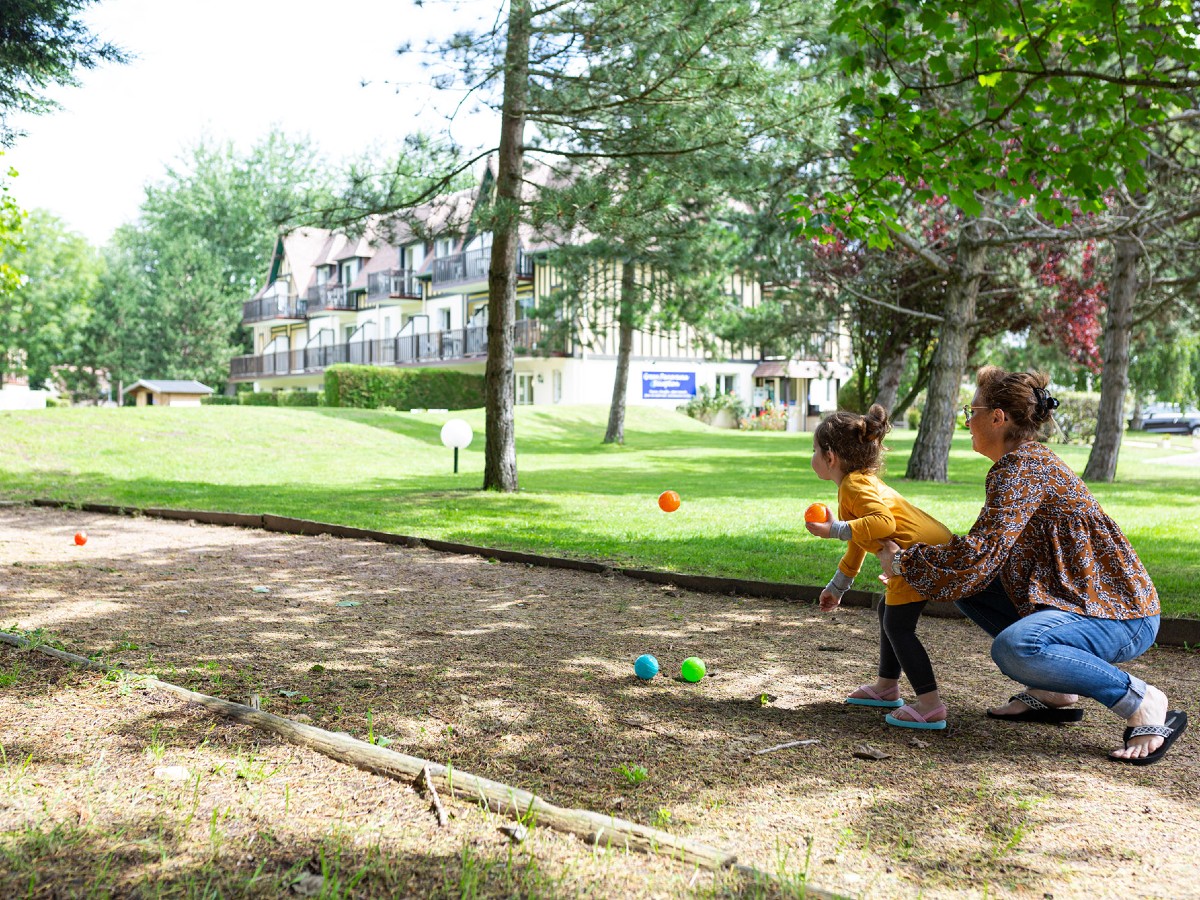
x=372 y=387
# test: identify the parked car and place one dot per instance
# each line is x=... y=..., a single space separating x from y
x=1170 y=421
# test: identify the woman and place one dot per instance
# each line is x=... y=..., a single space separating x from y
x=1048 y=575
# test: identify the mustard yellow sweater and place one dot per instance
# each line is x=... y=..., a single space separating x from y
x=874 y=511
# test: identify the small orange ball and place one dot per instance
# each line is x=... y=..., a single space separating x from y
x=668 y=501
x=818 y=512
x=80 y=538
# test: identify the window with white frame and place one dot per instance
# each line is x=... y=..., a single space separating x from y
x=443 y=247
x=524 y=389
x=445 y=315
x=726 y=384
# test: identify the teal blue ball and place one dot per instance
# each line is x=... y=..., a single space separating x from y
x=645 y=667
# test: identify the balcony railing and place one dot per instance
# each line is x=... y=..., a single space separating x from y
x=410 y=349
x=393 y=283
x=328 y=297
x=473 y=266
x=274 y=308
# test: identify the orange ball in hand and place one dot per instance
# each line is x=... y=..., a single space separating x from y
x=80 y=538
x=668 y=501
x=818 y=512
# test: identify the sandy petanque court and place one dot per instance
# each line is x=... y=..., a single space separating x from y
x=523 y=675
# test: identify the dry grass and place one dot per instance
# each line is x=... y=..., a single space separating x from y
x=522 y=675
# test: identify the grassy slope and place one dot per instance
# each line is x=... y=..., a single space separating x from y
x=743 y=493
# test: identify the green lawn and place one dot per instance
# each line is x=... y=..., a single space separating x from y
x=743 y=493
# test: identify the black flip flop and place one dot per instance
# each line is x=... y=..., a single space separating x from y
x=1176 y=725
x=1038 y=712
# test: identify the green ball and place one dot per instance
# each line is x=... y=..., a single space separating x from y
x=692 y=669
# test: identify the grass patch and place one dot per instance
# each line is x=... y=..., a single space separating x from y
x=743 y=493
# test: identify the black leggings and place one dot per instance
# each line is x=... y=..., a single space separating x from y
x=900 y=649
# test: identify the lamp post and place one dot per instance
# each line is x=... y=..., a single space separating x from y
x=456 y=433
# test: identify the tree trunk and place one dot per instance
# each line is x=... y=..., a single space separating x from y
x=890 y=374
x=1136 y=420
x=500 y=448
x=1114 y=380
x=616 y=412
x=931 y=452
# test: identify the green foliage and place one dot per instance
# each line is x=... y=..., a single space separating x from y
x=772 y=417
x=1166 y=364
x=43 y=43
x=170 y=303
x=1076 y=417
x=277 y=398
x=1044 y=102
x=707 y=404
x=11 y=221
x=259 y=398
x=374 y=387
x=42 y=318
x=852 y=395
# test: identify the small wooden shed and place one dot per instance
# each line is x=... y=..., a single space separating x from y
x=169 y=393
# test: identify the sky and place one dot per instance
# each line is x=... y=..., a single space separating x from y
x=231 y=70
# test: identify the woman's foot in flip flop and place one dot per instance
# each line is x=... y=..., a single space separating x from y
x=1015 y=708
x=1153 y=711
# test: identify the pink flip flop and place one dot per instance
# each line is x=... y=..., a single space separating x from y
x=874 y=698
x=917 y=720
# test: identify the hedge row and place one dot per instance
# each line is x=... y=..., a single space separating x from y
x=267 y=398
x=371 y=387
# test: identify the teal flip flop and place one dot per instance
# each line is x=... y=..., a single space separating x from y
x=917 y=720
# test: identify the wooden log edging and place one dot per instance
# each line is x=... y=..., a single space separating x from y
x=595 y=828
x=1171 y=632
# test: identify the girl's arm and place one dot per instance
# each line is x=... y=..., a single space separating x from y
x=1016 y=487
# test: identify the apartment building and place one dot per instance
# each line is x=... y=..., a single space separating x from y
x=393 y=297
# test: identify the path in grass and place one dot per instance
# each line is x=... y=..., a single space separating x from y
x=743 y=493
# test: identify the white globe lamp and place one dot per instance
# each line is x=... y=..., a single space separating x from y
x=457 y=434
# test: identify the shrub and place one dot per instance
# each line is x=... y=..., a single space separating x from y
x=913 y=417
x=773 y=417
x=705 y=405
x=298 y=398
x=218 y=400
x=259 y=398
x=1076 y=417
x=850 y=399
x=373 y=387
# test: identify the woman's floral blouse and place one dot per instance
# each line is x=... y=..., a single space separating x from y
x=1044 y=533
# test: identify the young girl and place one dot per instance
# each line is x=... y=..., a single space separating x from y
x=848 y=450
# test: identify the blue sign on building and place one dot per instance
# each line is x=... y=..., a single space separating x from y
x=668 y=385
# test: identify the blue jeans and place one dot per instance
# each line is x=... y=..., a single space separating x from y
x=1062 y=651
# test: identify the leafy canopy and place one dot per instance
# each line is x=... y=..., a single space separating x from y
x=1049 y=102
x=43 y=43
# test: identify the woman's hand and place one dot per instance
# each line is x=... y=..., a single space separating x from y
x=829 y=600
x=886 y=552
x=820 y=529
